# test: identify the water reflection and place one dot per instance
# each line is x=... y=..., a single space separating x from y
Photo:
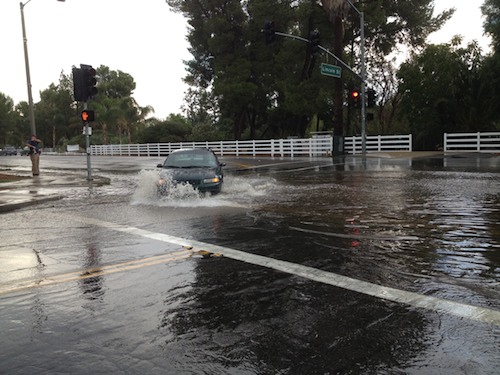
x=38 y=308
x=275 y=323
x=461 y=213
x=417 y=229
x=92 y=286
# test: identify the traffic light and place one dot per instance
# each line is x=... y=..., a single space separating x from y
x=90 y=80
x=88 y=115
x=371 y=96
x=84 y=82
x=355 y=98
x=314 y=41
x=269 y=32
x=79 y=91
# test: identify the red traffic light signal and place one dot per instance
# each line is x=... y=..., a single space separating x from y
x=88 y=115
x=355 y=97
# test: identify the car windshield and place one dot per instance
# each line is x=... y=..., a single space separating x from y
x=190 y=159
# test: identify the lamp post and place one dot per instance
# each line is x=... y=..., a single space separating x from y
x=27 y=64
x=363 y=76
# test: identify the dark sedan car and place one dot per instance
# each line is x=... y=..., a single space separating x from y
x=8 y=150
x=197 y=167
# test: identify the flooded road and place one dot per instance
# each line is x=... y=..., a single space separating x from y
x=377 y=266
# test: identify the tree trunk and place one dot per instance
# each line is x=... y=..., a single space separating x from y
x=338 y=48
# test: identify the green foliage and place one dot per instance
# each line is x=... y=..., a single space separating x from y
x=443 y=91
x=119 y=117
x=54 y=113
x=391 y=23
x=267 y=90
x=164 y=132
x=490 y=94
x=8 y=134
x=206 y=132
x=241 y=87
x=491 y=12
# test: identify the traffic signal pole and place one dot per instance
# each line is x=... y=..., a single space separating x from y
x=362 y=76
x=363 y=83
x=84 y=83
x=87 y=146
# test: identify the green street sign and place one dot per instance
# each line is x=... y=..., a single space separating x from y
x=331 y=70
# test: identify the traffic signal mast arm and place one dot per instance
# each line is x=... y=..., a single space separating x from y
x=362 y=76
x=324 y=50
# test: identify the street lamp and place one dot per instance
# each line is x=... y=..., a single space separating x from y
x=26 y=62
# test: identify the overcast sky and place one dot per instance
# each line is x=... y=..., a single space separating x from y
x=142 y=38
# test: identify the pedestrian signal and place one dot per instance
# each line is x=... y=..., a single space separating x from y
x=88 y=115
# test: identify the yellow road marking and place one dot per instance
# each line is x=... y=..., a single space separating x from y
x=93 y=272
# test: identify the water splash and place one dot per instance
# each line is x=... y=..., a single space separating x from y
x=236 y=192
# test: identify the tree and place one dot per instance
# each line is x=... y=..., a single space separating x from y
x=113 y=101
x=277 y=89
x=55 y=113
x=171 y=130
x=388 y=25
x=8 y=133
x=247 y=79
x=442 y=91
x=337 y=11
x=117 y=112
x=491 y=66
x=491 y=12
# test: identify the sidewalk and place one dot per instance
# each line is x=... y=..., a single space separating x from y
x=22 y=191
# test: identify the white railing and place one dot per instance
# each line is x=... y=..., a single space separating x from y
x=320 y=145
x=472 y=142
x=378 y=143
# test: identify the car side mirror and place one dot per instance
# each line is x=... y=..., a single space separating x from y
x=222 y=164
x=159 y=166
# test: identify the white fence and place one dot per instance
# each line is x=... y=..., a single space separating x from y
x=377 y=143
x=320 y=145
x=472 y=142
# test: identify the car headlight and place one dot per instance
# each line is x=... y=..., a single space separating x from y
x=161 y=182
x=211 y=180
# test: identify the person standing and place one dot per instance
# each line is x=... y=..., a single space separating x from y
x=34 y=153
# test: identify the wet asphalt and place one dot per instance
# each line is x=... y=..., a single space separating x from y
x=67 y=171
x=383 y=265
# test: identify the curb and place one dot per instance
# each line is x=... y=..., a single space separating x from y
x=18 y=203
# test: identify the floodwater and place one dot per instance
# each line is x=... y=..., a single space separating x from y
x=425 y=227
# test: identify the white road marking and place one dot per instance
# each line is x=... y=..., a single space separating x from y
x=392 y=294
